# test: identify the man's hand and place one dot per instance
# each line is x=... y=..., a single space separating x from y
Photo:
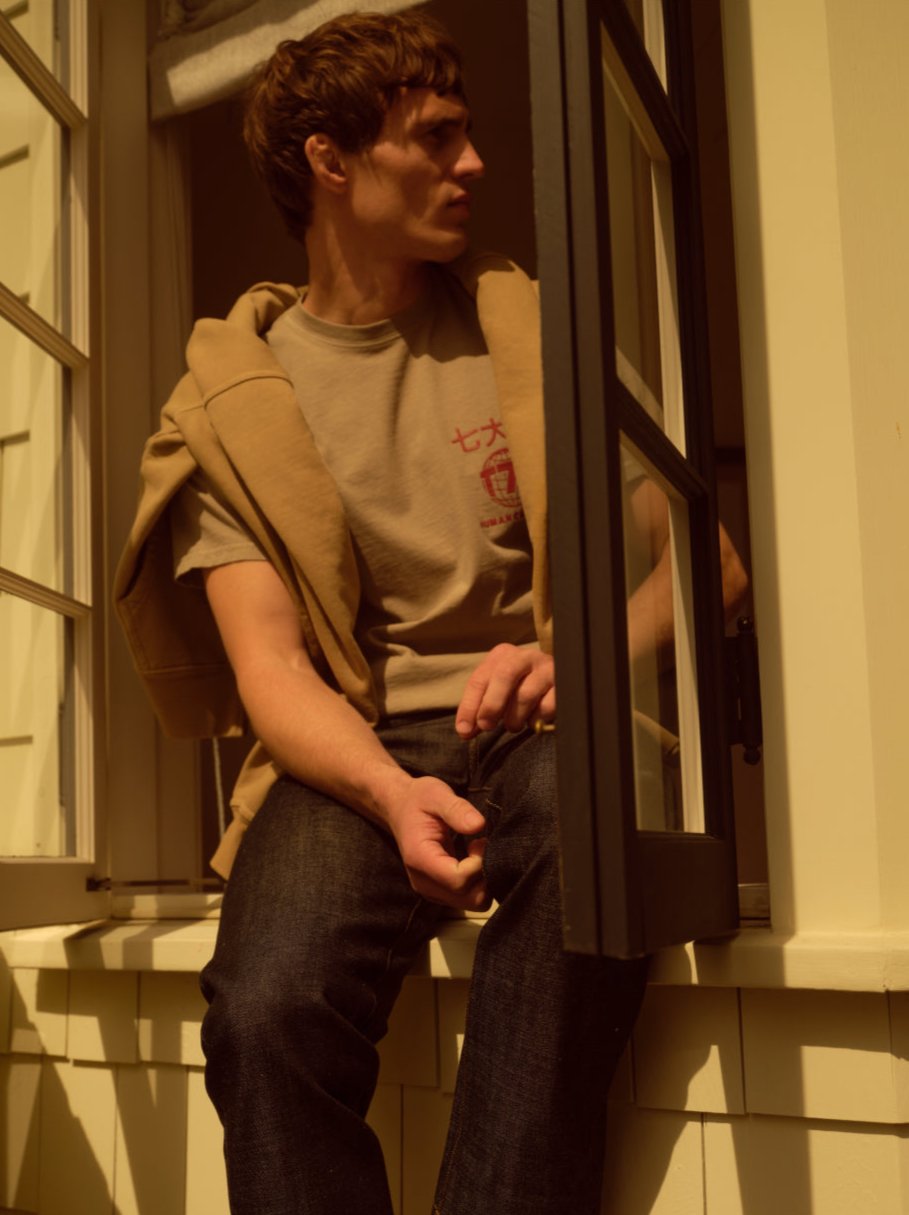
x=424 y=820
x=513 y=685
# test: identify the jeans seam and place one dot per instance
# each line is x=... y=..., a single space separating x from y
x=389 y=957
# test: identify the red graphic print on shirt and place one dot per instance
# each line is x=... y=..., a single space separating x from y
x=499 y=479
x=497 y=473
x=469 y=443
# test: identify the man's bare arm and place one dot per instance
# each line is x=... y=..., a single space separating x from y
x=650 y=607
x=316 y=736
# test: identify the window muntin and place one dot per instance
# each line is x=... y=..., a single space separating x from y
x=44 y=25
x=647 y=16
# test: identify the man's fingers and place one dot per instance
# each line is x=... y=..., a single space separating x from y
x=530 y=699
x=546 y=709
x=477 y=848
x=461 y=816
x=511 y=685
x=466 y=715
x=490 y=688
x=452 y=882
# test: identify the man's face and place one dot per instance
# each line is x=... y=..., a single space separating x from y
x=410 y=192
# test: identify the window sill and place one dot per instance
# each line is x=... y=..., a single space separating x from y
x=872 y=961
x=186 y=945
x=755 y=957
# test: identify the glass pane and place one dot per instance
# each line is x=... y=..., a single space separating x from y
x=642 y=245
x=37 y=740
x=647 y=16
x=666 y=728
x=31 y=200
x=35 y=522
x=42 y=23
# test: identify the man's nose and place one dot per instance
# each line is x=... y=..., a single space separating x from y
x=469 y=165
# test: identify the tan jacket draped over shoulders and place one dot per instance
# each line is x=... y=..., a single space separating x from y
x=235 y=416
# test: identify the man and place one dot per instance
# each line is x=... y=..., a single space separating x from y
x=342 y=470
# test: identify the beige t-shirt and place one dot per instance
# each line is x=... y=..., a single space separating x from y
x=404 y=413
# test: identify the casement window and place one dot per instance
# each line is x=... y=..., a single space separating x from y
x=49 y=685
x=644 y=772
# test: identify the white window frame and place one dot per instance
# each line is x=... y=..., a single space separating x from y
x=53 y=889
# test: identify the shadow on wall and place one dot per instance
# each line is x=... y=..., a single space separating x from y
x=104 y=1109
x=58 y=1118
x=680 y=1139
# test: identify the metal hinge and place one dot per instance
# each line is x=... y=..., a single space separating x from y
x=743 y=690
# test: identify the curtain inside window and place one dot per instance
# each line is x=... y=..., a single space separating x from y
x=206 y=49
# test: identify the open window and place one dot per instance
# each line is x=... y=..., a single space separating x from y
x=644 y=772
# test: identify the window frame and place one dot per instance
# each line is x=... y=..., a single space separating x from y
x=43 y=890
x=626 y=892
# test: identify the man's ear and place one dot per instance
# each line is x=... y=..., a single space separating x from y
x=326 y=163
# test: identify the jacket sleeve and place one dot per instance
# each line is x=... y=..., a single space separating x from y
x=169 y=627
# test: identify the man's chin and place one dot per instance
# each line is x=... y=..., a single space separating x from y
x=449 y=249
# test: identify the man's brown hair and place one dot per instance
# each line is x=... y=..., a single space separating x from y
x=339 y=81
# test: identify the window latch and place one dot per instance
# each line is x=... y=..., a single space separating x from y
x=743 y=690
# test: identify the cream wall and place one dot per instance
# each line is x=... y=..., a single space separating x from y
x=869 y=61
x=817 y=97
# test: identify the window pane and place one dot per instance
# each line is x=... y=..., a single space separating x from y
x=647 y=16
x=37 y=741
x=32 y=146
x=666 y=729
x=42 y=23
x=35 y=522
x=642 y=245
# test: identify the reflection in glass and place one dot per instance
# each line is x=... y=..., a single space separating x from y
x=37 y=741
x=647 y=16
x=642 y=247
x=661 y=651
x=31 y=192
x=43 y=25
x=35 y=537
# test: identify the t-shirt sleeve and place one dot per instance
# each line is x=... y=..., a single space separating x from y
x=205 y=533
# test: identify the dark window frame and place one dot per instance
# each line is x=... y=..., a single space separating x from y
x=626 y=892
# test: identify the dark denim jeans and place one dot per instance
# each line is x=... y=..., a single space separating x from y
x=318 y=930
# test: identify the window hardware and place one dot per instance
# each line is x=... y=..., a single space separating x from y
x=743 y=690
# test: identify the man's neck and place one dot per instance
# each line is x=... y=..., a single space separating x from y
x=352 y=291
